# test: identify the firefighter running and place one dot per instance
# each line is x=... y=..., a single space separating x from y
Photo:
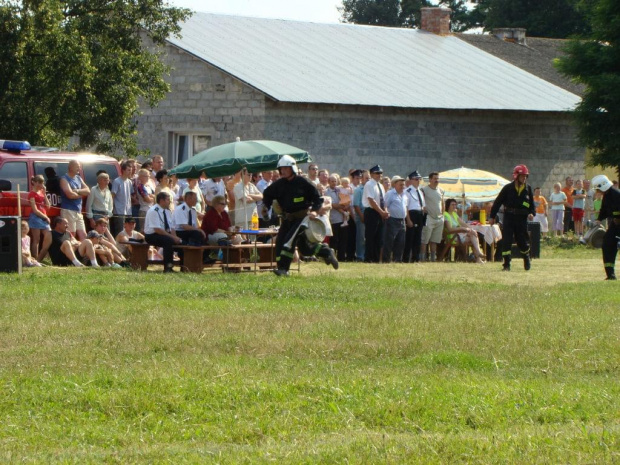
x=518 y=203
x=610 y=211
x=295 y=196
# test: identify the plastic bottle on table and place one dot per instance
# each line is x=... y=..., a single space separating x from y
x=254 y=221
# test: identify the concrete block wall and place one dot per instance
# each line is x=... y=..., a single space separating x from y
x=203 y=100
x=401 y=140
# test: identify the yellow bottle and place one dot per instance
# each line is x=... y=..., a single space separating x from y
x=483 y=216
x=254 y=221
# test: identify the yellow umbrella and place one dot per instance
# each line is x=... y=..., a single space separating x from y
x=470 y=184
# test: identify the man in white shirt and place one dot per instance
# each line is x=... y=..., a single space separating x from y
x=433 y=229
x=185 y=222
x=122 y=188
x=375 y=214
x=159 y=229
x=313 y=174
x=415 y=218
x=212 y=187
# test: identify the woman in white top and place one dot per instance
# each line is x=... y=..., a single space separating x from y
x=244 y=210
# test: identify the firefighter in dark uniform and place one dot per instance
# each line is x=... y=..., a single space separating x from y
x=518 y=202
x=610 y=210
x=297 y=197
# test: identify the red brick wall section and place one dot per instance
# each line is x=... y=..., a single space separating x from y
x=436 y=20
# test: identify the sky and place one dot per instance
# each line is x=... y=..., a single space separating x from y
x=321 y=11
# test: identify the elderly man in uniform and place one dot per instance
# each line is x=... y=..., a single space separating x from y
x=185 y=221
x=415 y=214
x=518 y=202
x=159 y=228
x=610 y=208
x=298 y=198
x=375 y=214
x=395 y=225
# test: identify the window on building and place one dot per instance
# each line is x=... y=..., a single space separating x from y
x=186 y=146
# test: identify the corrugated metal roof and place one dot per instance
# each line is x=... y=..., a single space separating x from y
x=294 y=61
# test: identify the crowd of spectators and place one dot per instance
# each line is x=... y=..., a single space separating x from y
x=369 y=216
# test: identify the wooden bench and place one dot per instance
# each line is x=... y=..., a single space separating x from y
x=139 y=257
x=236 y=257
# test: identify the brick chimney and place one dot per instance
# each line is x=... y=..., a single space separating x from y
x=511 y=34
x=436 y=20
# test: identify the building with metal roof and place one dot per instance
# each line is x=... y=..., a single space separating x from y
x=354 y=96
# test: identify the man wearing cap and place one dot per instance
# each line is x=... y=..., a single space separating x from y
x=416 y=218
x=395 y=228
x=375 y=214
x=159 y=229
x=433 y=229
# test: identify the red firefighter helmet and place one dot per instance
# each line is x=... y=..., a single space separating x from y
x=520 y=169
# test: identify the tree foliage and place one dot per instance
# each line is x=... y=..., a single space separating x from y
x=596 y=63
x=542 y=18
x=401 y=13
x=79 y=67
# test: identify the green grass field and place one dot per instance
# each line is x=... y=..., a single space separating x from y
x=432 y=363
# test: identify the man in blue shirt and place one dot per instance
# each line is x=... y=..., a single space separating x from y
x=72 y=189
x=360 y=243
x=396 y=205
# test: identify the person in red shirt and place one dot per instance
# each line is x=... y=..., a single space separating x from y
x=38 y=221
x=216 y=224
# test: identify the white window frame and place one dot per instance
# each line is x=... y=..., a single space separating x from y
x=191 y=149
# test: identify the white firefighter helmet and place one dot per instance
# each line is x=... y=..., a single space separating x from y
x=601 y=182
x=287 y=160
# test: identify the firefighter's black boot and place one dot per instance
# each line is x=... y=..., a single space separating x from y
x=611 y=275
x=527 y=263
x=506 y=266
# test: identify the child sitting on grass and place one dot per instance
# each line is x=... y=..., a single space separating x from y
x=27 y=258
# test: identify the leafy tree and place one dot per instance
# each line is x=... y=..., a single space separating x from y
x=542 y=18
x=80 y=67
x=596 y=63
x=401 y=13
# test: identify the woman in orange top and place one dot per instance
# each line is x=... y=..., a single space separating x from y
x=541 y=211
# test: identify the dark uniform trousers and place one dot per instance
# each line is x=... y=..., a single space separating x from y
x=373 y=235
x=413 y=237
x=190 y=237
x=284 y=255
x=610 y=244
x=515 y=226
x=165 y=242
x=338 y=241
x=351 y=241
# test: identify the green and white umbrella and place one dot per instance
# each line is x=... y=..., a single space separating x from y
x=228 y=159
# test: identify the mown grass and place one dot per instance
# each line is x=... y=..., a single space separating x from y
x=432 y=363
